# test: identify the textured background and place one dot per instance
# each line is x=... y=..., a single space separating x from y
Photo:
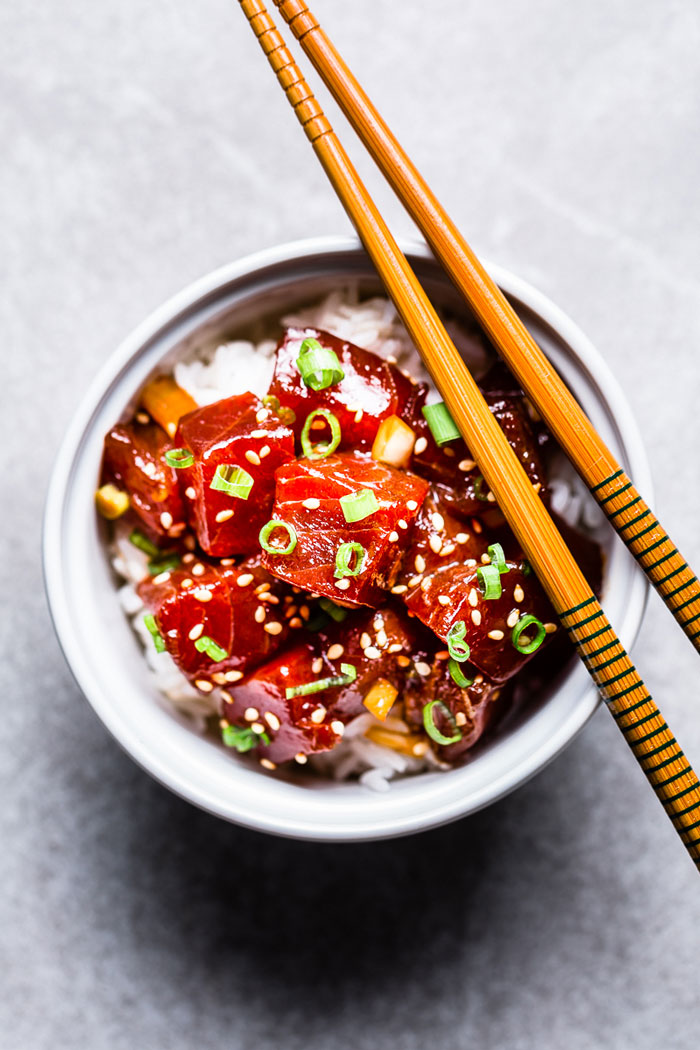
x=145 y=144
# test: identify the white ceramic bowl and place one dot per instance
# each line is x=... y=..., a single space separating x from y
x=105 y=656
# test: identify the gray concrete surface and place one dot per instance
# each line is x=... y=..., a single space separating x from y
x=144 y=144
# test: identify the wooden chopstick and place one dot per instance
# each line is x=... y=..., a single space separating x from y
x=627 y=698
x=624 y=507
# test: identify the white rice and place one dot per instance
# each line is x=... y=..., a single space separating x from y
x=240 y=365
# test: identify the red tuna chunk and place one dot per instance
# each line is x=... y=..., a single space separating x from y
x=235 y=432
x=307 y=497
x=134 y=460
x=371 y=389
x=241 y=608
x=379 y=644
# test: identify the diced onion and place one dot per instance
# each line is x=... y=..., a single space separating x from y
x=111 y=502
x=380 y=699
x=394 y=442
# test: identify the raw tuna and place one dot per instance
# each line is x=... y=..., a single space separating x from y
x=134 y=460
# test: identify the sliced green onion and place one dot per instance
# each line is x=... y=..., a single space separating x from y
x=178 y=458
x=349 y=674
x=319 y=365
x=234 y=481
x=479 y=489
x=205 y=644
x=284 y=414
x=526 y=568
x=334 y=611
x=164 y=565
x=442 y=425
x=489 y=581
x=267 y=530
x=158 y=640
x=433 y=731
x=359 y=505
x=457 y=647
x=344 y=556
x=242 y=739
x=321 y=449
x=458 y=676
x=317 y=622
x=144 y=544
x=533 y=643
x=498 y=558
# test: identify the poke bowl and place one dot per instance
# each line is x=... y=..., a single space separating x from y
x=331 y=702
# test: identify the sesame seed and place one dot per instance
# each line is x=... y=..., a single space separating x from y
x=485 y=559
x=273 y=627
x=301 y=759
x=187 y=559
x=496 y=635
x=317 y=665
x=479 y=679
x=245 y=579
x=150 y=469
x=318 y=714
x=253 y=457
x=258 y=728
x=442 y=655
x=518 y=593
x=402 y=661
x=403 y=524
x=296 y=622
x=267 y=764
x=195 y=632
x=372 y=653
x=291 y=610
x=190 y=583
x=435 y=543
x=260 y=614
x=490 y=497
x=438 y=521
x=202 y=684
x=304 y=612
x=378 y=623
x=143 y=417
x=400 y=588
x=466 y=464
x=449 y=548
x=166 y=519
x=382 y=638
x=267 y=597
x=513 y=618
x=264 y=451
x=393 y=537
x=476 y=617
x=550 y=628
x=272 y=720
x=420 y=445
x=335 y=651
x=419 y=563
x=261 y=415
x=262 y=587
x=202 y=594
x=476 y=525
x=312 y=503
x=473 y=597
x=224 y=561
x=365 y=640
x=462 y=537
x=396 y=647
x=421 y=748
x=343 y=584
x=338 y=727
x=461 y=718
x=258 y=434
x=443 y=599
x=423 y=669
x=233 y=676
x=174 y=633
x=537 y=486
x=251 y=714
x=449 y=452
x=219 y=678
x=425 y=585
x=162 y=577
x=358 y=415
x=411 y=505
x=414 y=581
x=198 y=569
x=189 y=542
x=470 y=563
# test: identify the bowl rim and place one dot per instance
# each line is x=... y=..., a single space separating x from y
x=144 y=333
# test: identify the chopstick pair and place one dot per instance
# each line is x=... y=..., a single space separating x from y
x=626 y=696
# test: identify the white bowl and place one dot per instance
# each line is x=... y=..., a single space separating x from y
x=105 y=656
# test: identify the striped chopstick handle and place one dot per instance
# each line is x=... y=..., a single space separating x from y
x=638 y=718
x=654 y=550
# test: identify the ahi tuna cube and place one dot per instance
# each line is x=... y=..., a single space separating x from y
x=313 y=498
x=219 y=620
x=134 y=460
x=226 y=507
x=371 y=389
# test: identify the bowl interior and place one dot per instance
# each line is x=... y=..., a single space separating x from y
x=105 y=655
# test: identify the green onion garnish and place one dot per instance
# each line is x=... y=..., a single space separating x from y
x=158 y=640
x=242 y=739
x=344 y=556
x=526 y=568
x=442 y=425
x=317 y=622
x=164 y=565
x=458 y=676
x=457 y=647
x=433 y=731
x=479 y=489
x=179 y=458
x=349 y=675
x=205 y=644
x=234 y=481
x=359 y=505
x=144 y=544
x=321 y=449
x=267 y=530
x=334 y=611
x=498 y=558
x=533 y=643
x=489 y=581
x=319 y=365
x=285 y=415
